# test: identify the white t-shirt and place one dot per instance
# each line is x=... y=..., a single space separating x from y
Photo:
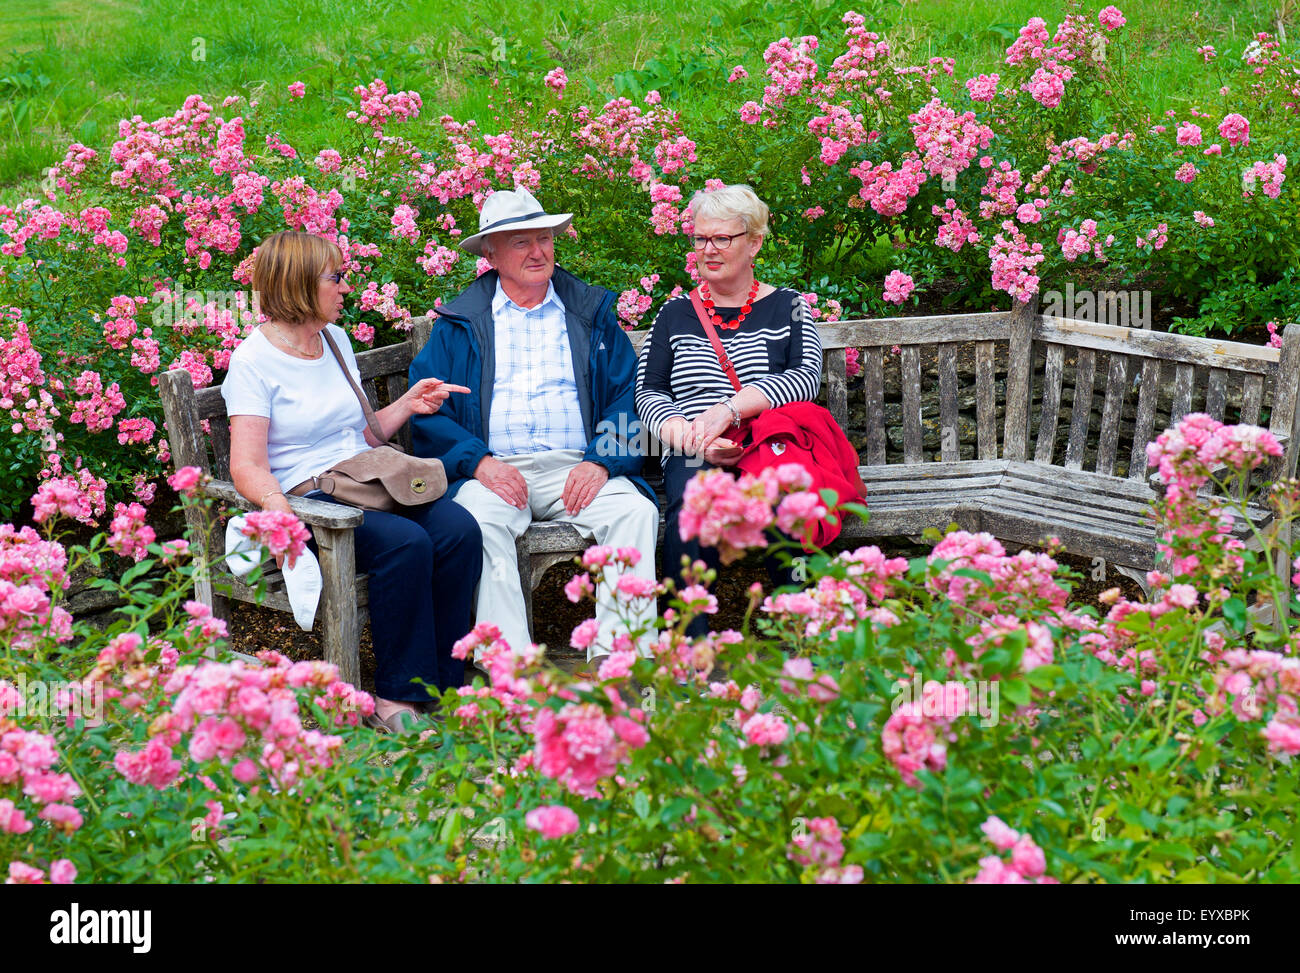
x=316 y=420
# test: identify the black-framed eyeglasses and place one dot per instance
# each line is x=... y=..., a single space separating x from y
x=339 y=277
x=720 y=242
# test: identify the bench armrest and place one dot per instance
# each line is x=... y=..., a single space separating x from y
x=313 y=513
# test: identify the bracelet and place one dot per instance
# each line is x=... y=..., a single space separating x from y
x=268 y=493
x=735 y=415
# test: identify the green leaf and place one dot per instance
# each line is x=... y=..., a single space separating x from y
x=1234 y=610
x=827 y=756
x=1171 y=849
x=1016 y=691
x=641 y=805
x=676 y=808
x=1043 y=677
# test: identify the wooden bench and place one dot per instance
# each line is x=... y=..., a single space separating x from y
x=1083 y=480
x=926 y=419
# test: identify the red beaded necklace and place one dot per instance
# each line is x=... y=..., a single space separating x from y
x=717 y=318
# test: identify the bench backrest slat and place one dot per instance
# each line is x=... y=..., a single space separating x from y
x=921 y=330
x=1157 y=344
x=910 y=365
x=949 y=434
x=1053 y=371
x=1252 y=397
x=219 y=434
x=1081 y=409
x=986 y=399
x=1020 y=364
x=1050 y=366
x=1216 y=396
x=1184 y=377
x=873 y=385
x=837 y=385
x=1284 y=413
x=1111 y=411
x=1145 y=420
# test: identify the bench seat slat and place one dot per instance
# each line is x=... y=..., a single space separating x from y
x=889 y=491
x=929 y=471
x=1015 y=527
x=1080 y=481
x=1101 y=505
x=910 y=521
x=1053 y=513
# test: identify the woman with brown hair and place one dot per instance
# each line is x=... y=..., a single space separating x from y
x=293 y=414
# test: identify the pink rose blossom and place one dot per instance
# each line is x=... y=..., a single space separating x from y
x=552 y=820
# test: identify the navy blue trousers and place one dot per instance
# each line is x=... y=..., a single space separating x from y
x=677 y=473
x=423 y=566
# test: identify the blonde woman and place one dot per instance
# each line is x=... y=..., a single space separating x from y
x=683 y=395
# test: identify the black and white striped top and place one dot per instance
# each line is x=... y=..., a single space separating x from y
x=777 y=349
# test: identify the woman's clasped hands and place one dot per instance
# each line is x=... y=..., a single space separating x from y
x=703 y=436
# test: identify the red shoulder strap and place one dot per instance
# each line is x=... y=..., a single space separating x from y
x=702 y=313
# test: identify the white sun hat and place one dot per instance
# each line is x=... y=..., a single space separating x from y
x=512 y=210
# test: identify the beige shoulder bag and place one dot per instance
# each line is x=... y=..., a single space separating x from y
x=383 y=478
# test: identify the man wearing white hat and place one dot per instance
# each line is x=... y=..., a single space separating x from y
x=548 y=366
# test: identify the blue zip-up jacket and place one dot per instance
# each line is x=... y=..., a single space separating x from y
x=462 y=350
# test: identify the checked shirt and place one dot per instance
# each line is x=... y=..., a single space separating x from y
x=534 y=397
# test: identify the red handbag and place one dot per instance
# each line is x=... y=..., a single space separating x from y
x=798 y=432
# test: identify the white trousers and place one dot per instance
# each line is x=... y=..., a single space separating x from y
x=619 y=516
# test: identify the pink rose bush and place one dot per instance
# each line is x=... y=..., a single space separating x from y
x=733 y=514
x=1026 y=863
x=769 y=751
x=881 y=690
x=822 y=846
x=552 y=821
x=247 y=718
x=280 y=532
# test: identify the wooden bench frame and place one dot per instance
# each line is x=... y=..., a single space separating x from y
x=1019 y=490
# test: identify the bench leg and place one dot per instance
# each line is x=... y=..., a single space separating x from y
x=1137 y=575
x=1282 y=538
x=340 y=634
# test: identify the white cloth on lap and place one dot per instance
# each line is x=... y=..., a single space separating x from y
x=302 y=582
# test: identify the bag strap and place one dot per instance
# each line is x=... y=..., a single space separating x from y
x=371 y=419
x=702 y=313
